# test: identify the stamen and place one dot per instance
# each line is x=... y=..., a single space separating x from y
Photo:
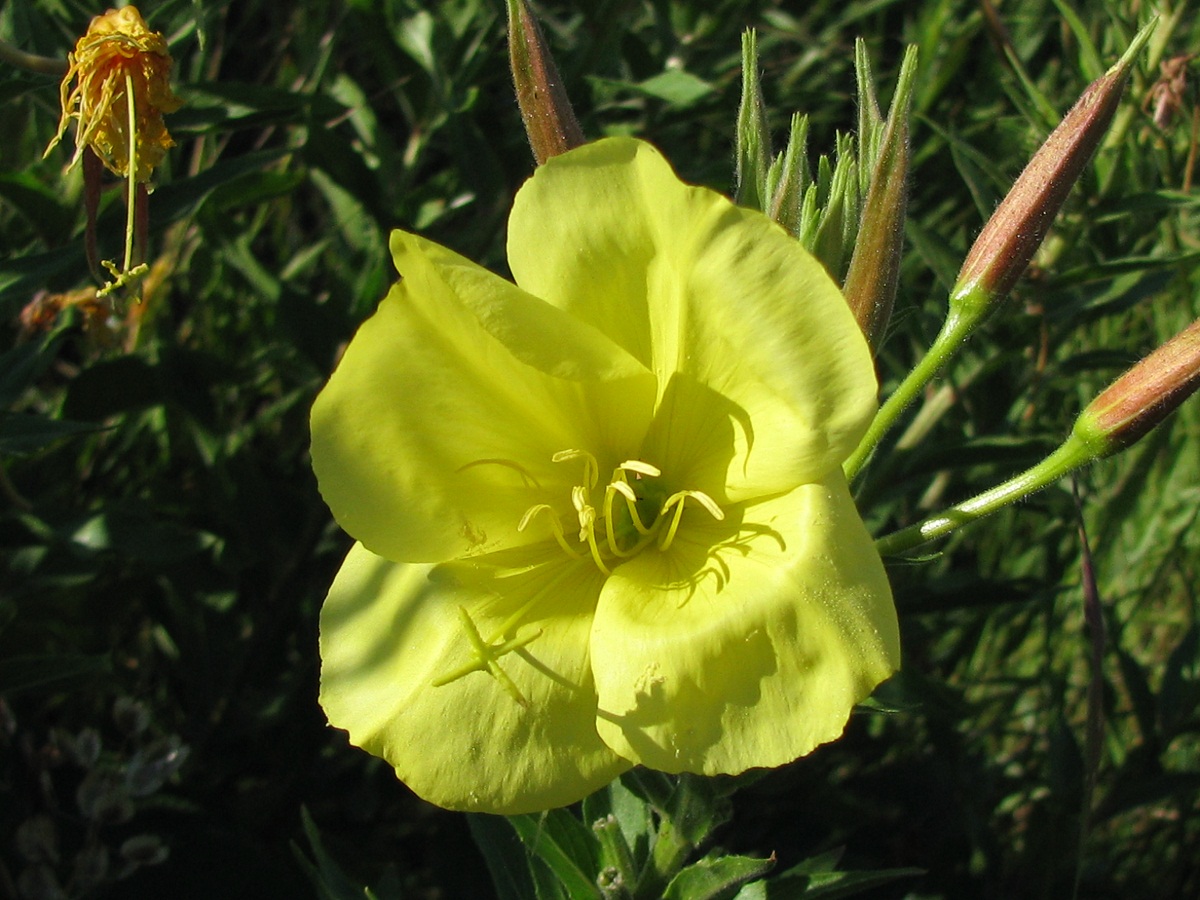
x=587 y=525
x=622 y=488
x=555 y=527
x=641 y=468
x=591 y=468
x=486 y=658
x=677 y=500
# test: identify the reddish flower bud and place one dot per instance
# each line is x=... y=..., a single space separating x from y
x=874 y=273
x=1019 y=224
x=1143 y=396
x=549 y=120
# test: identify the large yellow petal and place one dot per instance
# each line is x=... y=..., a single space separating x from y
x=435 y=433
x=389 y=630
x=748 y=642
x=692 y=285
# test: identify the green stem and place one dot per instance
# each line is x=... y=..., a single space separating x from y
x=130 y=212
x=31 y=62
x=1074 y=452
x=670 y=851
x=954 y=331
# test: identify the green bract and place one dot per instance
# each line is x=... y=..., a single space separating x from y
x=601 y=514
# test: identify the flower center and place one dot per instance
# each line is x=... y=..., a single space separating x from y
x=631 y=512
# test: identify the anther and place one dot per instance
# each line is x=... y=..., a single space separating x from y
x=591 y=468
x=587 y=525
x=677 y=500
x=641 y=468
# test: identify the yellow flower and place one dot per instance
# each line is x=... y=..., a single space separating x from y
x=119 y=56
x=601 y=512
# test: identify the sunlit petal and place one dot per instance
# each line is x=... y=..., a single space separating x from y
x=691 y=284
x=749 y=644
x=432 y=438
x=389 y=630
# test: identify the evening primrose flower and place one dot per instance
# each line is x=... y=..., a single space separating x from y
x=601 y=515
x=117 y=61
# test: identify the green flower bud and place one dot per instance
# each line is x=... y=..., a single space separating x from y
x=873 y=276
x=753 y=133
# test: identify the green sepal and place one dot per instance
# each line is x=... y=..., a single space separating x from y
x=753 y=134
x=872 y=277
x=870 y=120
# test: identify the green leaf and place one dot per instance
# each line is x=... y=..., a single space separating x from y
x=567 y=846
x=1179 y=697
x=327 y=877
x=716 y=877
x=504 y=854
x=679 y=88
x=798 y=885
x=135 y=532
x=41 y=207
x=22 y=365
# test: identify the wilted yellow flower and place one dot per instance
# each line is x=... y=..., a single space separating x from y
x=119 y=57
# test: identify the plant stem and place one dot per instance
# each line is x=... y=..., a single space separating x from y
x=1073 y=453
x=132 y=162
x=954 y=331
x=31 y=62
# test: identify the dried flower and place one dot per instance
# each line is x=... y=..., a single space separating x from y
x=119 y=62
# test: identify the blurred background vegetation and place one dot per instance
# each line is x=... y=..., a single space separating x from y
x=164 y=552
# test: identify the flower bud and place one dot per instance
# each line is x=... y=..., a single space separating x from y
x=1145 y=395
x=753 y=134
x=549 y=120
x=1019 y=224
x=873 y=276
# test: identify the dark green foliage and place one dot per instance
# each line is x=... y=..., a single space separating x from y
x=163 y=547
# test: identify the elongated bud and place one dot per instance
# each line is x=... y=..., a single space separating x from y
x=1145 y=395
x=753 y=134
x=549 y=120
x=873 y=276
x=789 y=177
x=1019 y=224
